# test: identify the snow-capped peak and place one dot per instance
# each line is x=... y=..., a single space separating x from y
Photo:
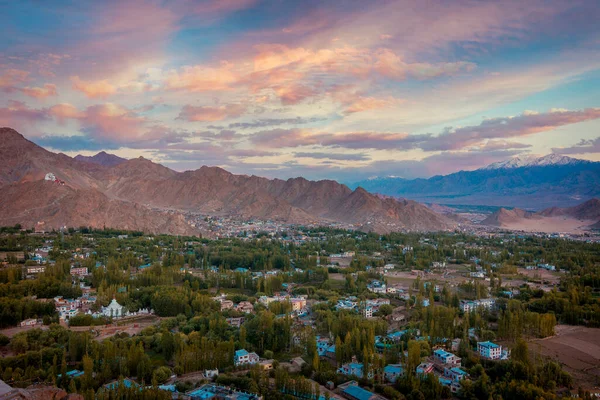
x=533 y=161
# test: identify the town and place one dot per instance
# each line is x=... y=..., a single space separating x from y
x=310 y=313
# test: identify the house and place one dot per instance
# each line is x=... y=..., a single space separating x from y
x=368 y=312
x=29 y=322
x=211 y=373
x=455 y=344
x=226 y=304
x=354 y=368
x=392 y=372
x=127 y=383
x=245 y=307
x=424 y=369
x=472 y=305
x=217 y=392
x=79 y=271
x=298 y=303
x=456 y=374
x=242 y=357
x=444 y=357
x=266 y=365
x=489 y=350
x=236 y=322
x=35 y=269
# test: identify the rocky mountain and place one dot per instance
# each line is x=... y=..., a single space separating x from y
x=142 y=195
x=581 y=217
x=526 y=183
x=102 y=158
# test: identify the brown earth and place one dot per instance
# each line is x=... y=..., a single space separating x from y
x=577 y=349
x=577 y=219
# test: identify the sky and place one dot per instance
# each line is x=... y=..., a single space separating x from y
x=341 y=90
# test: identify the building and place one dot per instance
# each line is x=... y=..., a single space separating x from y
x=245 y=307
x=424 y=369
x=489 y=350
x=298 y=303
x=368 y=312
x=35 y=269
x=242 y=357
x=226 y=305
x=444 y=357
x=472 y=305
x=29 y=322
x=354 y=368
x=113 y=310
x=355 y=392
x=217 y=392
x=456 y=374
x=236 y=322
x=392 y=372
x=79 y=271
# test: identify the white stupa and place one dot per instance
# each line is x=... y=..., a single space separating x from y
x=50 y=177
x=114 y=309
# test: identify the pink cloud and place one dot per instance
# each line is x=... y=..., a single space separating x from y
x=209 y=114
x=64 y=111
x=19 y=115
x=93 y=89
x=202 y=78
x=41 y=92
x=12 y=77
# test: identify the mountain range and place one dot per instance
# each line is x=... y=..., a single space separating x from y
x=526 y=182
x=138 y=194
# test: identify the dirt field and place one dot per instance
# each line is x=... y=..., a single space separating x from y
x=550 y=225
x=577 y=349
x=552 y=278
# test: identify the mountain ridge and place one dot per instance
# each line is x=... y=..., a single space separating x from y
x=147 y=190
x=101 y=158
x=539 y=186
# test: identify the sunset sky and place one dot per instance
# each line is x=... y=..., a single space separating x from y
x=321 y=89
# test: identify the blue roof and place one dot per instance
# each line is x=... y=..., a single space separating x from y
x=126 y=382
x=393 y=368
x=358 y=392
x=201 y=394
x=459 y=371
x=355 y=365
x=489 y=344
x=74 y=373
x=241 y=353
x=442 y=353
x=445 y=381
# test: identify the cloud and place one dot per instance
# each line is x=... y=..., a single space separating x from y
x=507 y=127
x=210 y=113
x=334 y=156
x=19 y=115
x=584 y=146
x=11 y=78
x=267 y=122
x=93 y=89
x=276 y=138
x=202 y=78
x=295 y=94
x=40 y=92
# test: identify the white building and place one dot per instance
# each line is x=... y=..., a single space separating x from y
x=114 y=310
x=489 y=350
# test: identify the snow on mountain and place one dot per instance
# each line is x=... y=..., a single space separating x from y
x=533 y=161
